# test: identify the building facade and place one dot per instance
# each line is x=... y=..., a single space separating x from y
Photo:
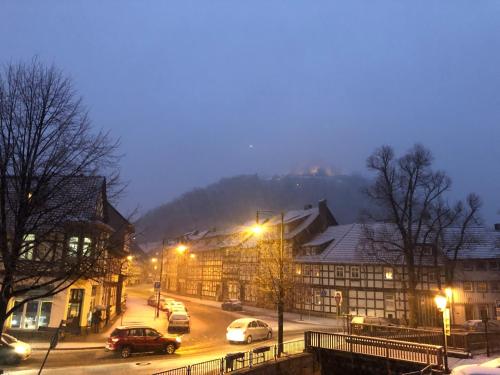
x=334 y=273
x=99 y=229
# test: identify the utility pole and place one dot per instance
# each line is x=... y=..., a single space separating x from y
x=281 y=291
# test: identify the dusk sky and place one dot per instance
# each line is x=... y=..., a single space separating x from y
x=199 y=90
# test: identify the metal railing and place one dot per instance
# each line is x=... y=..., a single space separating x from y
x=237 y=361
x=458 y=340
x=377 y=347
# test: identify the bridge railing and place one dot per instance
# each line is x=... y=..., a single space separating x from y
x=374 y=346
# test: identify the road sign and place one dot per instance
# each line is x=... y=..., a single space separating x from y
x=446 y=321
x=157 y=285
x=323 y=293
x=338 y=298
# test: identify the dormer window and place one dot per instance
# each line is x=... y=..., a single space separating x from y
x=87 y=243
x=73 y=246
x=28 y=247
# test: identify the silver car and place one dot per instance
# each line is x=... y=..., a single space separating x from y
x=248 y=330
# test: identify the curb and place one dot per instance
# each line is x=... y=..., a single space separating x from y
x=72 y=348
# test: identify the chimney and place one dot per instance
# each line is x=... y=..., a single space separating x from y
x=497 y=227
x=326 y=216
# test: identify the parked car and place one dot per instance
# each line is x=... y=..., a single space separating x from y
x=478 y=325
x=248 y=330
x=232 y=305
x=360 y=324
x=126 y=340
x=491 y=367
x=12 y=350
x=179 y=322
x=164 y=301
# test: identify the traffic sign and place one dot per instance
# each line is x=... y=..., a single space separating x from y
x=323 y=293
x=157 y=285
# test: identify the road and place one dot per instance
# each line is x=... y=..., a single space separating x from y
x=206 y=341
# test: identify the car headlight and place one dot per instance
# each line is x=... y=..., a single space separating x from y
x=20 y=349
x=178 y=339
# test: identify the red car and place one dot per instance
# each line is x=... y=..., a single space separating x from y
x=136 y=339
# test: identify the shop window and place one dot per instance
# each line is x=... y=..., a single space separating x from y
x=355 y=272
x=45 y=310
x=388 y=273
x=339 y=272
x=28 y=246
x=15 y=320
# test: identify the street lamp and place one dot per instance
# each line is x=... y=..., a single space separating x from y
x=258 y=229
x=441 y=303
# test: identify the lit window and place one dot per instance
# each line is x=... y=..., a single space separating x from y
x=388 y=273
x=468 y=286
x=73 y=246
x=354 y=272
x=27 y=248
x=339 y=272
x=87 y=242
x=482 y=287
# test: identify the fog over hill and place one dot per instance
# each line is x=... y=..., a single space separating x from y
x=235 y=200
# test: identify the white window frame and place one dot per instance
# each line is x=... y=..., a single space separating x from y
x=355 y=269
x=337 y=269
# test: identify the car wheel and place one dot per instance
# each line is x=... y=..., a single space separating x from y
x=269 y=335
x=126 y=352
x=170 y=349
x=249 y=339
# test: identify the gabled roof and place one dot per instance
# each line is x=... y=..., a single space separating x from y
x=324 y=237
x=349 y=245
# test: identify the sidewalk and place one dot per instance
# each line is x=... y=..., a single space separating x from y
x=137 y=312
x=259 y=312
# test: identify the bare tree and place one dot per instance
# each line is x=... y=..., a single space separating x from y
x=414 y=214
x=46 y=148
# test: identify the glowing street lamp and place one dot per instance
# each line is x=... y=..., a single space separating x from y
x=257 y=229
x=129 y=258
x=181 y=249
x=441 y=303
x=154 y=260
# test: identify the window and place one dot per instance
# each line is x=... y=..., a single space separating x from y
x=73 y=246
x=425 y=250
x=431 y=276
x=354 y=272
x=389 y=302
x=339 y=272
x=493 y=265
x=468 y=286
x=28 y=246
x=135 y=332
x=388 y=273
x=31 y=315
x=482 y=286
x=495 y=286
x=151 y=333
x=468 y=266
x=87 y=242
x=481 y=266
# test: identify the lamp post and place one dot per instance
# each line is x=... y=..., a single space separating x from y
x=161 y=273
x=441 y=303
x=258 y=229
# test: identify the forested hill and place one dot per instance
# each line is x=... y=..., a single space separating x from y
x=234 y=200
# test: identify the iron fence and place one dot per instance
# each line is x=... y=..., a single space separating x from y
x=238 y=360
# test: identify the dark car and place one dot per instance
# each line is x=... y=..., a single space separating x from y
x=12 y=350
x=478 y=325
x=140 y=339
x=232 y=305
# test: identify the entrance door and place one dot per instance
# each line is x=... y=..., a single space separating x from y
x=75 y=308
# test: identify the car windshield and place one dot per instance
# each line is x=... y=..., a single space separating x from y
x=237 y=325
x=116 y=332
x=8 y=339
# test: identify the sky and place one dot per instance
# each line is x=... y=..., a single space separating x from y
x=199 y=90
